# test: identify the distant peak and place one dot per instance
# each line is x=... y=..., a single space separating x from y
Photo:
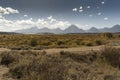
x=93 y=28
x=116 y=25
x=73 y=26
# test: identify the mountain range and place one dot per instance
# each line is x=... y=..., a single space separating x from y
x=70 y=29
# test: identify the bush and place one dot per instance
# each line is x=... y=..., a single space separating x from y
x=98 y=42
x=31 y=65
x=33 y=43
x=112 y=56
x=89 y=44
x=60 y=42
x=108 y=35
x=7 y=58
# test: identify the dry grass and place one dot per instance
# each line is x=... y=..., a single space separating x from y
x=28 y=65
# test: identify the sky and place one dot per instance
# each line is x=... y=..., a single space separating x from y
x=23 y=14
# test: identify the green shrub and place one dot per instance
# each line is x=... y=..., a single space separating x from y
x=98 y=42
x=33 y=43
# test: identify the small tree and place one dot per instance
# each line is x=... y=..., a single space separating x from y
x=33 y=42
x=108 y=35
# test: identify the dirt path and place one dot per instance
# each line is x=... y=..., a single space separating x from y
x=4 y=49
x=4 y=70
x=75 y=50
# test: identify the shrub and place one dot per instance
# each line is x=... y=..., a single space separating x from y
x=98 y=42
x=89 y=44
x=31 y=65
x=60 y=42
x=109 y=77
x=33 y=43
x=108 y=35
x=112 y=56
x=7 y=58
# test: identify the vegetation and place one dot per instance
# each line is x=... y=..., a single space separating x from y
x=112 y=56
x=41 y=41
x=108 y=35
x=29 y=65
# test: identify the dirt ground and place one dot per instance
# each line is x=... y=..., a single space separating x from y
x=4 y=70
x=74 y=50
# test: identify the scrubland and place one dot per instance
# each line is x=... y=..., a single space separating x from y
x=45 y=41
x=29 y=65
x=24 y=63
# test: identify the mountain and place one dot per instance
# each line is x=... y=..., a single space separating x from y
x=46 y=30
x=70 y=29
x=93 y=30
x=35 y=30
x=57 y=31
x=7 y=32
x=73 y=29
x=114 y=29
x=28 y=31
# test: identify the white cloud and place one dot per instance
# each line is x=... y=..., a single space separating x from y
x=41 y=23
x=99 y=13
x=25 y=15
x=106 y=18
x=10 y=25
x=51 y=19
x=81 y=10
x=81 y=7
x=8 y=10
x=102 y=2
x=49 y=22
x=87 y=25
x=88 y=7
x=74 y=9
x=25 y=22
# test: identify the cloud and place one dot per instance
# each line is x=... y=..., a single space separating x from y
x=81 y=7
x=25 y=22
x=99 y=13
x=102 y=2
x=74 y=9
x=88 y=7
x=81 y=10
x=12 y=25
x=49 y=22
x=8 y=10
x=106 y=18
x=51 y=19
x=25 y=15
